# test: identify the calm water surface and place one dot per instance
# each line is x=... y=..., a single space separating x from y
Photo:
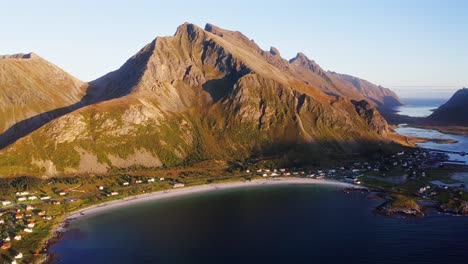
x=416 y=107
x=419 y=107
x=270 y=224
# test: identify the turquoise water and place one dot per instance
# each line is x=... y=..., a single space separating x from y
x=270 y=224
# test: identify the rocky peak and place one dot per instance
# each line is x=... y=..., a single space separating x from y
x=30 y=55
x=214 y=29
x=274 y=51
x=189 y=29
x=300 y=57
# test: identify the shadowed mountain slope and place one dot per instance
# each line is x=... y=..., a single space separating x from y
x=454 y=112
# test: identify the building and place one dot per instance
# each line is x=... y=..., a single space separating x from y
x=32 y=198
x=179 y=185
x=17 y=237
x=125 y=184
x=45 y=198
x=101 y=188
x=28 y=230
x=5 y=203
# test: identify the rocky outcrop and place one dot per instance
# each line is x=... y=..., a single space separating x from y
x=372 y=116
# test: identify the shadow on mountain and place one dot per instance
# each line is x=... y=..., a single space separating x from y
x=113 y=85
x=29 y=125
x=323 y=153
x=219 y=88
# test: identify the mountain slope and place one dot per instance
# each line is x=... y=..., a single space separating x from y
x=31 y=86
x=200 y=94
x=383 y=97
x=453 y=112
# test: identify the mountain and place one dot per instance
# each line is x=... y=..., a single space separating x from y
x=453 y=112
x=382 y=96
x=32 y=90
x=202 y=94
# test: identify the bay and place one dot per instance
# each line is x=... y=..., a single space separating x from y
x=269 y=224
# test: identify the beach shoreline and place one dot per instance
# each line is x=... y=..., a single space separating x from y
x=62 y=226
x=176 y=192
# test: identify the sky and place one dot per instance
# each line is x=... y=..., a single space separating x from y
x=419 y=48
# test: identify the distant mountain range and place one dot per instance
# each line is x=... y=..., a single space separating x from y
x=202 y=94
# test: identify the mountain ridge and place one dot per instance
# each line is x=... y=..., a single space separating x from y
x=197 y=95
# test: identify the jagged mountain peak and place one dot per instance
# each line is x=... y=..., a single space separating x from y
x=30 y=55
x=274 y=51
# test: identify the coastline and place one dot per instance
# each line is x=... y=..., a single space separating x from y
x=170 y=193
x=62 y=226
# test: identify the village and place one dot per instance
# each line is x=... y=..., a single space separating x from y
x=28 y=216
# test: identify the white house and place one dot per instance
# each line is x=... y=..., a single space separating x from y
x=31 y=198
x=179 y=185
x=18 y=237
x=45 y=198
x=28 y=230
x=5 y=203
x=125 y=184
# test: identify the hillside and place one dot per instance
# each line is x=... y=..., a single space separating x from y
x=32 y=92
x=201 y=94
x=382 y=96
x=453 y=112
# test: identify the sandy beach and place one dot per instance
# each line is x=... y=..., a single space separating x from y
x=127 y=201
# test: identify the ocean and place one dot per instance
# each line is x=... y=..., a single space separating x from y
x=419 y=107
